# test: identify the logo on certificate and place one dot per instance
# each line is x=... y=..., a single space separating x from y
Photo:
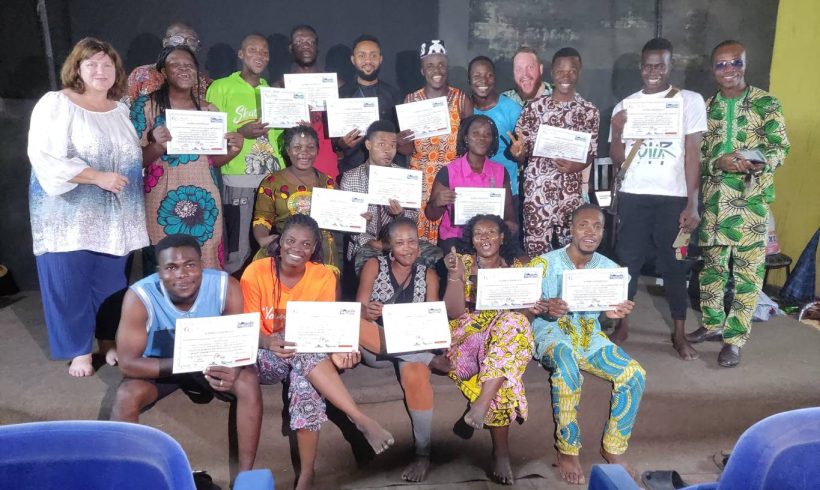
x=347 y=311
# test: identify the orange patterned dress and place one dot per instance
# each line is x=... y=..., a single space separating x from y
x=431 y=154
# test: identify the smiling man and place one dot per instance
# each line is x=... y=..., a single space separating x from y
x=528 y=74
x=737 y=191
x=181 y=288
x=659 y=194
x=552 y=186
x=568 y=342
x=237 y=94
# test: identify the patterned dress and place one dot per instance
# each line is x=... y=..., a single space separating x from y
x=549 y=195
x=736 y=206
x=431 y=154
x=279 y=197
x=573 y=343
x=491 y=344
x=181 y=191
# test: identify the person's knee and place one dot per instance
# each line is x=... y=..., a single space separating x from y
x=246 y=385
x=132 y=396
x=635 y=379
x=414 y=374
x=561 y=361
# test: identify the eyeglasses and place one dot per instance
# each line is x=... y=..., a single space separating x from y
x=178 y=39
x=724 y=65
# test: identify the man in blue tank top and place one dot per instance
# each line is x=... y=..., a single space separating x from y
x=181 y=289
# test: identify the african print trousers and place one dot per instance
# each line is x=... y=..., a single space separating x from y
x=305 y=405
x=748 y=269
x=610 y=363
x=485 y=350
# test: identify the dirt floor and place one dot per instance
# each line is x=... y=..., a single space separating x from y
x=690 y=411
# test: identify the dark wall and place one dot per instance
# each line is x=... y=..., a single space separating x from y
x=608 y=33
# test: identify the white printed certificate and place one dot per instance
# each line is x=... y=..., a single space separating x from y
x=472 y=201
x=411 y=327
x=594 y=289
x=338 y=210
x=508 y=289
x=283 y=108
x=426 y=118
x=653 y=118
x=196 y=132
x=345 y=115
x=323 y=326
x=555 y=142
x=229 y=341
x=318 y=86
x=387 y=183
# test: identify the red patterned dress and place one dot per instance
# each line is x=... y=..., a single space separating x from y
x=431 y=154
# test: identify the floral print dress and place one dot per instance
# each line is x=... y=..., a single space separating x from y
x=181 y=191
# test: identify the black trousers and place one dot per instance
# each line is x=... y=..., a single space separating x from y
x=648 y=227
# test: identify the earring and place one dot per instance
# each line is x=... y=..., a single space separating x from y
x=390 y=256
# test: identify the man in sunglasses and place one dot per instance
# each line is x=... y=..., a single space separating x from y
x=659 y=194
x=146 y=79
x=744 y=144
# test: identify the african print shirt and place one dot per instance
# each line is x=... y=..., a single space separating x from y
x=736 y=205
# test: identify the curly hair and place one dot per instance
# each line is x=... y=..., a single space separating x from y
x=464 y=128
x=507 y=250
x=161 y=98
x=83 y=50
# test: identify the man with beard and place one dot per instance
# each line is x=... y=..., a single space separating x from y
x=304 y=49
x=367 y=60
x=146 y=79
x=659 y=194
x=527 y=73
x=553 y=186
x=237 y=94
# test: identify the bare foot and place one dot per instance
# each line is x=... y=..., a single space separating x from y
x=569 y=467
x=378 y=438
x=108 y=349
x=502 y=471
x=619 y=335
x=685 y=349
x=619 y=459
x=81 y=366
x=305 y=481
x=475 y=416
x=416 y=471
x=441 y=364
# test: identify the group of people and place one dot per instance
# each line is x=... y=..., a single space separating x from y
x=104 y=186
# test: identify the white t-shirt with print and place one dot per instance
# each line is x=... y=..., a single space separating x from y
x=658 y=167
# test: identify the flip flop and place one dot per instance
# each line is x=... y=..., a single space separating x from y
x=662 y=480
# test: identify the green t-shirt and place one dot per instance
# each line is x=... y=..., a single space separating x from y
x=262 y=156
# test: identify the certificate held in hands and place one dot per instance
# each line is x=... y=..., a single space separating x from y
x=555 y=142
x=196 y=132
x=426 y=118
x=323 y=326
x=387 y=183
x=283 y=108
x=472 y=201
x=338 y=210
x=318 y=86
x=508 y=289
x=594 y=289
x=412 y=327
x=653 y=118
x=345 y=115
x=229 y=341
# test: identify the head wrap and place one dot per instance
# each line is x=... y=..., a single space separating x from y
x=435 y=46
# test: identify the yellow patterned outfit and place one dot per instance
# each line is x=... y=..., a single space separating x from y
x=487 y=345
x=736 y=206
x=573 y=343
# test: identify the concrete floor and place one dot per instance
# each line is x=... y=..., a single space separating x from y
x=690 y=411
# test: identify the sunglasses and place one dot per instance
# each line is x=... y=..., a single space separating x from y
x=724 y=65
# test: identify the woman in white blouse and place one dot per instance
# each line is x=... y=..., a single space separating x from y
x=85 y=199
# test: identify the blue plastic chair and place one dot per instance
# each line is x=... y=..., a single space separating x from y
x=92 y=455
x=779 y=452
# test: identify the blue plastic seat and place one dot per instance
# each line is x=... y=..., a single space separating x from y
x=92 y=455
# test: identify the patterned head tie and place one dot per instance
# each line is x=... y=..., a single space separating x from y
x=435 y=46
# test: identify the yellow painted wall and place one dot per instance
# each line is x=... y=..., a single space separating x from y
x=795 y=80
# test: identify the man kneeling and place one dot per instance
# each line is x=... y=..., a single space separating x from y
x=181 y=289
x=567 y=342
